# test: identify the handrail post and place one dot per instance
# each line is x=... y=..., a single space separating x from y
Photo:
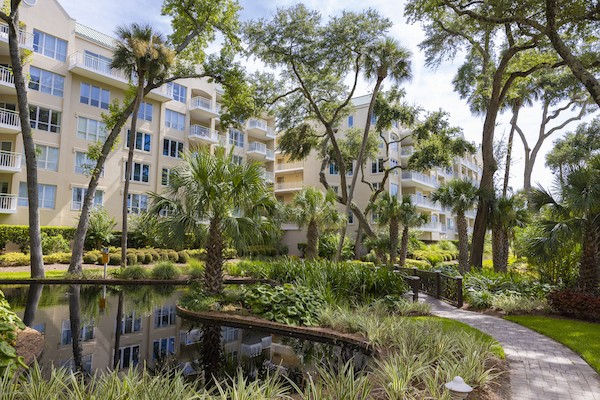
x=438 y=284
x=415 y=269
x=416 y=286
x=459 y=291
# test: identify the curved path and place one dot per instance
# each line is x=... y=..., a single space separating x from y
x=540 y=368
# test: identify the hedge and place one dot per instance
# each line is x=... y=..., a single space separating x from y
x=19 y=234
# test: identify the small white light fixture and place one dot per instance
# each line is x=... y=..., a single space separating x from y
x=459 y=390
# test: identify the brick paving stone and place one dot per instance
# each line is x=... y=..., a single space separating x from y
x=540 y=368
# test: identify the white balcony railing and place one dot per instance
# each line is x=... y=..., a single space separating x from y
x=419 y=177
x=407 y=151
x=8 y=203
x=257 y=147
x=10 y=160
x=424 y=202
x=10 y=117
x=257 y=123
x=431 y=226
x=6 y=75
x=292 y=165
x=204 y=103
x=270 y=154
x=101 y=66
x=25 y=38
x=271 y=132
x=203 y=132
x=288 y=185
x=268 y=176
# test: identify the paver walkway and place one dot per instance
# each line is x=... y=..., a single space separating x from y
x=540 y=368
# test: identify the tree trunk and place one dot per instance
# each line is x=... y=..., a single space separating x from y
x=530 y=162
x=35 y=236
x=505 y=249
x=118 y=330
x=75 y=319
x=129 y=165
x=358 y=246
x=404 y=246
x=393 y=240
x=463 y=242
x=498 y=239
x=513 y=123
x=33 y=299
x=213 y=273
x=211 y=353
x=589 y=270
x=312 y=240
x=575 y=65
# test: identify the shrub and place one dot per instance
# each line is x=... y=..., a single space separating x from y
x=132 y=258
x=420 y=264
x=575 y=304
x=328 y=244
x=54 y=244
x=144 y=257
x=479 y=299
x=14 y=259
x=183 y=257
x=133 y=272
x=155 y=255
x=195 y=269
x=90 y=258
x=511 y=303
x=100 y=229
x=58 y=258
x=114 y=259
x=19 y=234
x=447 y=245
x=198 y=254
x=10 y=322
x=261 y=250
x=229 y=253
x=172 y=256
x=302 y=249
x=165 y=270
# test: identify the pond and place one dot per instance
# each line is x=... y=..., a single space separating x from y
x=137 y=327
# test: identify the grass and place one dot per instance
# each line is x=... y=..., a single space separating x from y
x=54 y=274
x=580 y=336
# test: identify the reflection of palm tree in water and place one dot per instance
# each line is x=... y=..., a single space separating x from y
x=211 y=352
x=118 y=329
x=75 y=318
x=33 y=298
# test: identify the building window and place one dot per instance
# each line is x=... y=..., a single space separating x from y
x=373 y=119
x=163 y=347
x=172 y=148
x=131 y=323
x=335 y=189
x=84 y=165
x=137 y=203
x=129 y=356
x=145 y=111
x=87 y=332
x=374 y=218
x=46 y=81
x=91 y=129
x=376 y=186
x=179 y=92
x=174 y=120
x=139 y=172
x=394 y=143
x=164 y=316
x=239 y=160
x=350 y=217
x=394 y=163
x=165 y=177
x=350 y=121
x=377 y=166
x=79 y=196
x=47 y=157
x=236 y=138
x=350 y=169
x=86 y=361
x=46 y=193
x=94 y=96
x=229 y=334
x=333 y=169
x=49 y=45
x=394 y=189
x=44 y=119
x=142 y=141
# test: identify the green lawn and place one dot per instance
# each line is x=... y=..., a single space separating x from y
x=49 y=274
x=581 y=337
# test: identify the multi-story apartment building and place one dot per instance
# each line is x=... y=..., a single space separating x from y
x=70 y=85
x=291 y=177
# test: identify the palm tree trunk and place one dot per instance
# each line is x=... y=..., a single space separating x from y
x=589 y=271
x=35 y=236
x=505 y=249
x=358 y=250
x=129 y=166
x=404 y=246
x=213 y=273
x=75 y=319
x=463 y=242
x=393 y=240
x=498 y=239
x=118 y=330
x=33 y=299
x=513 y=124
x=211 y=353
x=312 y=240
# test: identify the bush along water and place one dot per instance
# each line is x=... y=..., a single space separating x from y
x=10 y=323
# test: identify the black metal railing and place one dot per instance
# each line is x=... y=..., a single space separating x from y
x=438 y=285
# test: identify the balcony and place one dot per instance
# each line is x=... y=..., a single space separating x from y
x=424 y=202
x=259 y=129
x=290 y=167
x=9 y=121
x=162 y=94
x=7 y=81
x=8 y=203
x=10 y=162
x=203 y=134
x=431 y=226
x=294 y=186
x=448 y=173
x=203 y=108
x=222 y=140
x=471 y=214
x=406 y=151
x=25 y=40
x=419 y=179
x=268 y=176
x=94 y=68
x=259 y=151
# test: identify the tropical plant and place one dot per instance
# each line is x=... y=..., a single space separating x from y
x=10 y=323
x=391 y=211
x=142 y=54
x=100 y=229
x=209 y=191
x=460 y=195
x=507 y=213
x=317 y=212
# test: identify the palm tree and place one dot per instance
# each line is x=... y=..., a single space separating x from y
x=141 y=53
x=211 y=192
x=506 y=214
x=315 y=210
x=577 y=212
x=460 y=196
x=394 y=213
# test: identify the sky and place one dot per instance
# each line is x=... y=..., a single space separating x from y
x=431 y=89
